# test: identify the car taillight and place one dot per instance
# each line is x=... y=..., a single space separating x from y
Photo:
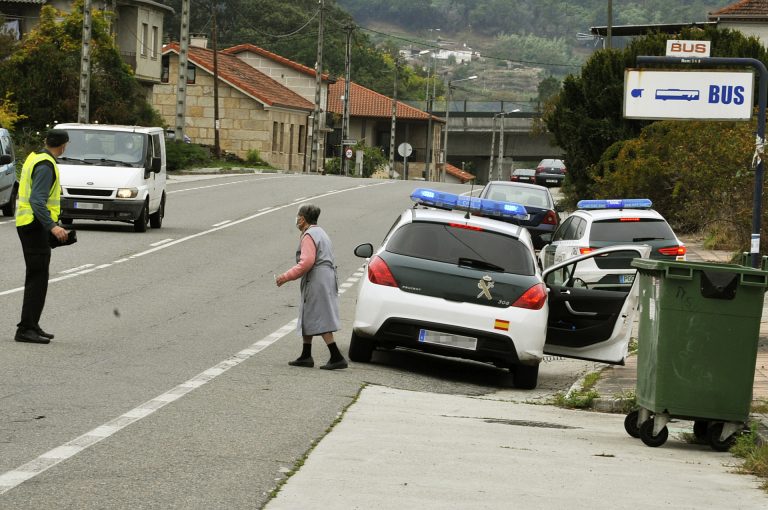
x=379 y=273
x=550 y=218
x=464 y=226
x=673 y=251
x=584 y=251
x=533 y=298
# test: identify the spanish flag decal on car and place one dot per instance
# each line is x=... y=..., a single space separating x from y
x=500 y=324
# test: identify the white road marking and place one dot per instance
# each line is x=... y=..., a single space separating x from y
x=76 y=269
x=225 y=184
x=162 y=242
x=12 y=291
x=222 y=223
x=21 y=474
x=103 y=266
x=120 y=261
x=261 y=210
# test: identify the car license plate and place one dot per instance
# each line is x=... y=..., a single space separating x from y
x=434 y=337
x=553 y=181
x=626 y=278
x=89 y=205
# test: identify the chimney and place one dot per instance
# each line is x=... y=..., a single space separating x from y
x=198 y=40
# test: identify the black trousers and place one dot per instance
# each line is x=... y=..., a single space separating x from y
x=37 y=257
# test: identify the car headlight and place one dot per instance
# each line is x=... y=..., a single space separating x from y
x=127 y=193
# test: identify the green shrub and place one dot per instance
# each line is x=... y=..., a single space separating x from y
x=182 y=155
x=333 y=166
x=254 y=158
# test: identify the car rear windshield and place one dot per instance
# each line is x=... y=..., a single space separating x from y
x=521 y=195
x=444 y=243
x=630 y=230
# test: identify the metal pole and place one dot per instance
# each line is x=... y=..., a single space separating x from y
x=83 y=113
x=610 y=25
x=216 y=123
x=445 y=141
x=181 y=84
x=393 y=127
x=761 y=107
x=318 y=82
x=500 y=162
x=345 y=118
x=493 y=146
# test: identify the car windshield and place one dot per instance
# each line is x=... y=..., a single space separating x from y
x=446 y=243
x=118 y=148
x=630 y=230
x=525 y=171
x=521 y=195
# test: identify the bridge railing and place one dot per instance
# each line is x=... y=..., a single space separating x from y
x=481 y=108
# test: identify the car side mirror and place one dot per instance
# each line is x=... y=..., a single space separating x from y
x=156 y=165
x=364 y=251
x=5 y=159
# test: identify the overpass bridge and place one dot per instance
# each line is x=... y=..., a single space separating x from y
x=470 y=128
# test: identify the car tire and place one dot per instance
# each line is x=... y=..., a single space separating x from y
x=9 y=209
x=526 y=377
x=361 y=348
x=156 y=218
x=140 y=224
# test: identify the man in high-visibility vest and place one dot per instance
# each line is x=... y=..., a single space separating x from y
x=37 y=218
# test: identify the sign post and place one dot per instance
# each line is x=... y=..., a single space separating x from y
x=405 y=150
x=760 y=141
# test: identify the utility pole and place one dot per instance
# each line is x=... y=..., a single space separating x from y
x=216 y=124
x=85 y=66
x=493 y=146
x=428 y=155
x=181 y=84
x=500 y=162
x=347 y=77
x=393 y=127
x=318 y=83
x=610 y=25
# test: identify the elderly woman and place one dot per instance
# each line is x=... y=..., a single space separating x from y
x=319 y=305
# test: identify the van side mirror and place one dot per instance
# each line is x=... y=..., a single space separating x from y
x=5 y=159
x=157 y=165
x=364 y=250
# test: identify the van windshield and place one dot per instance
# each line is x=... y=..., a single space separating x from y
x=115 y=148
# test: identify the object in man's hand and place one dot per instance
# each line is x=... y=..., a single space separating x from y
x=54 y=242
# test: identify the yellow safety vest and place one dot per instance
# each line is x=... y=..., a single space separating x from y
x=24 y=213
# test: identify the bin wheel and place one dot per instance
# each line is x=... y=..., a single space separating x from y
x=700 y=429
x=713 y=438
x=630 y=424
x=646 y=434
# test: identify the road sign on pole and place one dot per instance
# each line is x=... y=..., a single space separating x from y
x=702 y=95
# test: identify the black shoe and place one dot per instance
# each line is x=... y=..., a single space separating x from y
x=43 y=334
x=31 y=336
x=302 y=362
x=335 y=365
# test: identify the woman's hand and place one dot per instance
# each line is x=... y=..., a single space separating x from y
x=279 y=280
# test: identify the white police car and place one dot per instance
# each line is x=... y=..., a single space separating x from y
x=600 y=223
x=452 y=283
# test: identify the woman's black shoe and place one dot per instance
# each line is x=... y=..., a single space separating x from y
x=30 y=336
x=43 y=334
x=302 y=362
x=335 y=365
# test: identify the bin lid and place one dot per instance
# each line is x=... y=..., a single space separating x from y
x=751 y=275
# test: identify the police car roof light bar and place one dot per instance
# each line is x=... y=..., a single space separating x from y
x=483 y=206
x=617 y=203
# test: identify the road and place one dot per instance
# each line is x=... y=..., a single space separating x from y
x=167 y=384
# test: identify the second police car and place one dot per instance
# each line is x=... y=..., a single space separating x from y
x=600 y=223
x=450 y=282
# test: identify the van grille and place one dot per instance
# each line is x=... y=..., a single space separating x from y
x=90 y=192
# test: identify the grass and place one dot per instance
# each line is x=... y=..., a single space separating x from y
x=755 y=455
x=581 y=398
x=760 y=407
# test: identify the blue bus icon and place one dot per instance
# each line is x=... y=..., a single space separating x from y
x=677 y=95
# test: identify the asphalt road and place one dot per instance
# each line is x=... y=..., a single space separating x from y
x=167 y=384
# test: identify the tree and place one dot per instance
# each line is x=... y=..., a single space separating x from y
x=43 y=74
x=587 y=116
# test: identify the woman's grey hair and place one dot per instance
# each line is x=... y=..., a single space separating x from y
x=310 y=213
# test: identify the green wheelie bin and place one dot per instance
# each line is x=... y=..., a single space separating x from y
x=697 y=346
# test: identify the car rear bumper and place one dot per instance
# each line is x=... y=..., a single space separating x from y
x=92 y=209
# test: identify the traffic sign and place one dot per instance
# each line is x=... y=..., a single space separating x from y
x=348 y=153
x=405 y=149
x=703 y=95
x=688 y=48
x=349 y=142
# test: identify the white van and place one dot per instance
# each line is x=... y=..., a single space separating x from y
x=8 y=185
x=113 y=173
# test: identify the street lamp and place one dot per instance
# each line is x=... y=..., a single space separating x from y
x=500 y=161
x=447 y=114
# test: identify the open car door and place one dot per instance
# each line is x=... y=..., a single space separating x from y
x=592 y=323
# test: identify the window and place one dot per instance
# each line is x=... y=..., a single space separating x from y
x=165 y=69
x=564 y=226
x=302 y=140
x=155 y=40
x=274 y=136
x=644 y=229
x=191 y=73
x=282 y=137
x=144 y=39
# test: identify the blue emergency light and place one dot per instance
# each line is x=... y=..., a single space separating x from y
x=617 y=203
x=482 y=206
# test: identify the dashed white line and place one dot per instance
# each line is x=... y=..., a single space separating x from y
x=120 y=261
x=221 y=223
x=158 y=243
x=103 y=266
x=15 y=477
x=226 y=184
x=76 y=269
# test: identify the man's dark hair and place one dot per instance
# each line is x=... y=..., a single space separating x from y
x=56 y=138
x=310 y=213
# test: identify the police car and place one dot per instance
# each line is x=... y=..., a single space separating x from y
x=449 y=281
x=600 y=223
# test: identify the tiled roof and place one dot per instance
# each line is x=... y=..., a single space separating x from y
x=743 y=9
x=365 y=102
x=458 y=173
x=245 y=78
x=242 y=48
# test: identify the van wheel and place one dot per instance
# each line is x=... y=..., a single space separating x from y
x=156 y=218
x=9 y=209
x=140 y=225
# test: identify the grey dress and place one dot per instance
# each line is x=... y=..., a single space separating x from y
x=319 y=306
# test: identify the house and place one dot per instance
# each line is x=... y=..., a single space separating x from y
x=292 y=75
x=255 y=111
x=747 y=16
x=138 y=29
x=457 y=175
x=370 y=121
